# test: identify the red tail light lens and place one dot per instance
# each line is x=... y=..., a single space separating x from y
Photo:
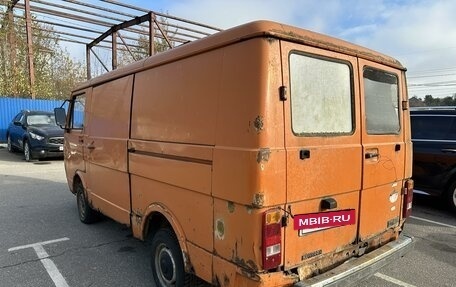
x=272 y=239
x=408 y=198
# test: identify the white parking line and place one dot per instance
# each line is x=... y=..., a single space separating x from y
x=50 y=267
x=432 y=221
x=393 y=280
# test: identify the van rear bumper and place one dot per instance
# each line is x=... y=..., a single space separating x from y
x=361 y=267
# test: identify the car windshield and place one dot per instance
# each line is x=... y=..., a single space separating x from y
x=33 y=120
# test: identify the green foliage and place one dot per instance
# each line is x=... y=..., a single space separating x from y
x=56 y=73
x=430 y=101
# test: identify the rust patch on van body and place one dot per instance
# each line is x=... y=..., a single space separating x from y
x=220 y=229
x=231 y=206
x=258 y=123
x=137 y=217
x=249 y=265
x=263 y=155
x=258 y=200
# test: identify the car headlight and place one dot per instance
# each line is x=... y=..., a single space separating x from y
x=36 y=137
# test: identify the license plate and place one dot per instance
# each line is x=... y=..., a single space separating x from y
x=60 y=148
x=311 y=222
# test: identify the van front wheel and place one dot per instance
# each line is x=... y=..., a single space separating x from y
x=167 y=263
x=86 y=214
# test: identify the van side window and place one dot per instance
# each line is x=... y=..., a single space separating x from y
x=321 y=96
x=382 y=99
x=77 y=112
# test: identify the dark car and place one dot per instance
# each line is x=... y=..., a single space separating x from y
x=36 y=134
x=434 y=152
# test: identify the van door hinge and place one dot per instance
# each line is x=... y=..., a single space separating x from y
x=283 y=93
x=405 y=105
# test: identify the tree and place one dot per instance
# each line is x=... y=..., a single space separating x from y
x=416 y=102
x=56 y=73
x=447 y=101
x=430 y=101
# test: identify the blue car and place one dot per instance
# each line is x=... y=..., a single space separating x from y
x=36 y=134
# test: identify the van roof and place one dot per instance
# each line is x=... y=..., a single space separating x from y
x=244 y=32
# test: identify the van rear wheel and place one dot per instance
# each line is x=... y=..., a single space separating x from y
x=86 y=214
x=167 y=262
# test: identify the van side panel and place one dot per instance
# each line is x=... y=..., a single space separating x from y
x=177 y=102
x=105 y=148
x=157 y=161
x=188 y=208
x=172 y=138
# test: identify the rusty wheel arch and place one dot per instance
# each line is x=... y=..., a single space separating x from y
x=158 y=216
x=154 y=222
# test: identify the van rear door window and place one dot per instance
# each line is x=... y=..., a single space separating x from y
x=382 y=98
x=321 y=96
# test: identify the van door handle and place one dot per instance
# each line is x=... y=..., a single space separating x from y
x=91 y=146
x=449 y=150
x=370 y=155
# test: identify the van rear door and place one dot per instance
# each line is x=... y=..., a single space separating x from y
x=384 y=148
x=324 y=152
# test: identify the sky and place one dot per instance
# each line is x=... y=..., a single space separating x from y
x=421 y=34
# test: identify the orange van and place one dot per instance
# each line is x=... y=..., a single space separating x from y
x=263 y=155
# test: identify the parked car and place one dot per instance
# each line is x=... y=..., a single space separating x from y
x=434 y=152
x=36 y=134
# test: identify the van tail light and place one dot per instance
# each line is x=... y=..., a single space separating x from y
x=272 y=239
x=408 y=198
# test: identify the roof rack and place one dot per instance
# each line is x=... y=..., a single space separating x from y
x=169 y=30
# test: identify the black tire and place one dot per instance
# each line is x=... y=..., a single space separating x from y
x=27 y=151
x=450 y=197
x=167 y=262
x=86 y=214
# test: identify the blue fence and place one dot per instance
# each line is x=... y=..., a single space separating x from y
x=9 y=107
